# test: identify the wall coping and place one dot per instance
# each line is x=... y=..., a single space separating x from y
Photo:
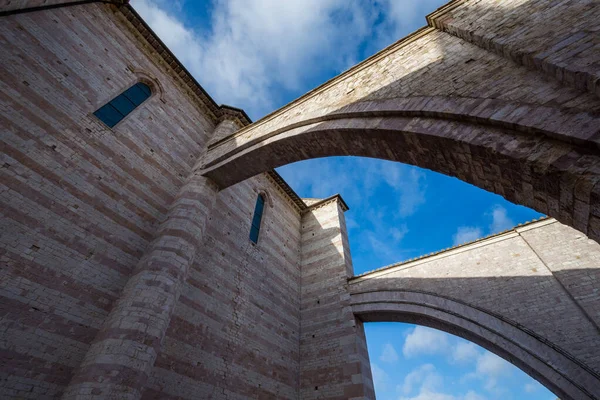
x=336 y=197
x=287 y=190
x=485 y=241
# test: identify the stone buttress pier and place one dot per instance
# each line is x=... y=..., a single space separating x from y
x=333 y=349
x=121 y=357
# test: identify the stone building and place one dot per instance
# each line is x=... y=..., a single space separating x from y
x=149 y=250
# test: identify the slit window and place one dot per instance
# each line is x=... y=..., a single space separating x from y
x=258 y=212
x=118 y=108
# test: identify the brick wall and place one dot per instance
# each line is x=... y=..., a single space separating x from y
x=235 y=330
x=15 y=5
x=334 y=357
x=80 y=202
x=558 y=42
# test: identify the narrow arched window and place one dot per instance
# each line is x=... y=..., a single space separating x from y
x=118 y=108
x=258 y=212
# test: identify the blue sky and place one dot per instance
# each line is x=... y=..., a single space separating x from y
x=261 y=54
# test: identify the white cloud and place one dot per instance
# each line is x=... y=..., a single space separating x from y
x=433 y=395
x=500 y=220
x=466 y=234
x=425 y=377
x=465 y=352
x=386 y=246
x=401 y=17
x=425 y=383
x=351 y=223
x=489 y=369
x=324 y=177
x=473 y=396
x=532 y=386
x=380 y=377
x=398 y=233
x=412 y=192
x=255 y=48
x=424 y=340
x=491 y=365
x=407 y=181
x=428 y=395
x=389 y=355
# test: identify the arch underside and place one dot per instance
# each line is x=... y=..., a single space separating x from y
x=526 y=164
x=548 y=363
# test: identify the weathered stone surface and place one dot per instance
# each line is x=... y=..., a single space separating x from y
x=80 y=202
x=333 y=352
x=562 y=43
x=236 y=326
x=7 y=6
x=126 y=274
x=527 y=295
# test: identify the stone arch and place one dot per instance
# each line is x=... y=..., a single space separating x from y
x=555 y=368
x=262 y=191
x=531 y=164
x=513 y=109
x=144 y=77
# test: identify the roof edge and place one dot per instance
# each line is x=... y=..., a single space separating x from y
x=432 y=18
x=287 y=189
x=61 y=3
x=220 y=112
x=515 y=231
x=320 y=203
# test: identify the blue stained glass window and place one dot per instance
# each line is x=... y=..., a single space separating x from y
x=136 y=94
x=109 y=115
x=122 y=104
x=258 y=212
x=115 y=110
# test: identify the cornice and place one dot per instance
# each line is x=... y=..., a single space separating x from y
x=234 y=114
x=335 y=198
x=284 y=188
x=434 y=17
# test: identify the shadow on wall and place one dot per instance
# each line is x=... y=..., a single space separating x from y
x=453 y=108
x=531 y=321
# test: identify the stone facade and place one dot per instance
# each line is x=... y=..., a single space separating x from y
x=126 y=267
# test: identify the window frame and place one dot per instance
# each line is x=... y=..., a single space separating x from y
x=105 y=103
x=264 y=198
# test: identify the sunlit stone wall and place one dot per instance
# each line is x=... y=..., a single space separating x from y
x=542 y=279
